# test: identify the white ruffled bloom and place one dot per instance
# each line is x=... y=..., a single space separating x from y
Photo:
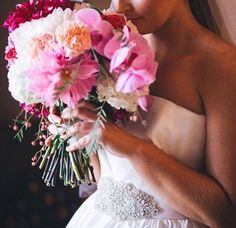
x=107 y=92
x=19 y=83
x=36 y=35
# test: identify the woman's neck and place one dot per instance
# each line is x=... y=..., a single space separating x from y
x=180 y=34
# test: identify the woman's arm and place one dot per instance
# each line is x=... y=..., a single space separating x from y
x=194 y=194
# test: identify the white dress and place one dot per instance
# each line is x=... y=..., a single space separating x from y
x=123 y=198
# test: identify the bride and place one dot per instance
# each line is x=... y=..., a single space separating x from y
x=179 y=171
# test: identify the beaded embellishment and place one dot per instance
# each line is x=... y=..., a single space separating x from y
x=123 y=201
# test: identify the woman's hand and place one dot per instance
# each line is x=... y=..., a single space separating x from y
x=79 y=133
x=73 y=125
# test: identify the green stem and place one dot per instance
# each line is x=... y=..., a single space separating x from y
x=75 y=167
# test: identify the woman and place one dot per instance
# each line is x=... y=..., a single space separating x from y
x=179 y=171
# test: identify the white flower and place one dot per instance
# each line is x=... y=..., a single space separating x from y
x=36 y=35
x=106 y=92
x=19 y=83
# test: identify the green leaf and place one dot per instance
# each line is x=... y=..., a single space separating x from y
x=18 y=137
x=21 y=133
x=19 y=121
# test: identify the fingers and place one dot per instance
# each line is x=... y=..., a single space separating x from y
x=79 y=144
x=53 y=109
x=85 y=104
x=81 y=113
x=72 y=130
x=55 y=130
x=84 y=111
x=55 y=119
x=79 y=128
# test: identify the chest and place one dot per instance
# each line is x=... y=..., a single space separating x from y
x=178 y=80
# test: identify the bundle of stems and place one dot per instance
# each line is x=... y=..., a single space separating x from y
x=73 y=168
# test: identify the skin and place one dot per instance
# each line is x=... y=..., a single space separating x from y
x=197 y=71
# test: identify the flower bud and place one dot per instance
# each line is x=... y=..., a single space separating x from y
x=15 y=128
x=33 y=143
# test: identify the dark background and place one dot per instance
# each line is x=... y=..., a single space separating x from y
x=25 y=201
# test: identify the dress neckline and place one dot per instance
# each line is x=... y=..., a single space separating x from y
x=177 y=105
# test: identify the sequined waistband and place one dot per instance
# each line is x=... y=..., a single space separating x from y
x=124 y=202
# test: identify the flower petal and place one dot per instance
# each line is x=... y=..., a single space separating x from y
x=119 y=57
x=89 y=17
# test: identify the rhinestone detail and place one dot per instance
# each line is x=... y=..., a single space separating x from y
x=123 y=201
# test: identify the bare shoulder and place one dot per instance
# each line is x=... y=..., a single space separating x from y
x=219 y=80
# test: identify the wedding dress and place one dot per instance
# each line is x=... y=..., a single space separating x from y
x=123 y=198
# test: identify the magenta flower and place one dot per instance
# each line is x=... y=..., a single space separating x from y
x=101 y=30
x=56 y=77
x=35 y=109
x=30 y=10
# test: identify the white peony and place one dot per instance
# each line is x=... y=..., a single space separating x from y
x=19 y=83
x=38 y=34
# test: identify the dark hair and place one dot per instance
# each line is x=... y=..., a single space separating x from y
x=202 y=13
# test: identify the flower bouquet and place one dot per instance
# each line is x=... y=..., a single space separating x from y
x=59 y=53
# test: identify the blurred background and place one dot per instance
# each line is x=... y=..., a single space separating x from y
x=25 y=202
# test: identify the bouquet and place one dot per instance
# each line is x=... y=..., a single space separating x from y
x=60 y=53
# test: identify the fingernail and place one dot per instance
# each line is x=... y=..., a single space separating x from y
x=69 y=148
x=84 y=141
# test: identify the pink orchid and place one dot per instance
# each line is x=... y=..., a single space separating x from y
x=130 y=45
x=131 y=80
x=56 y=77
x=145 y=102
x=101 y=30
x=133 y=62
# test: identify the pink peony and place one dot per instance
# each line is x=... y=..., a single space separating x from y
x=56 y=77
x=30 y=10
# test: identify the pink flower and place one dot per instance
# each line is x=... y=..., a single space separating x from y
x=131 y=80
x=101 y=30
x=30 y=10
x=36 y=109
x=123 y=51
x=133 y=62
x=56 y=77
x=145 y=102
